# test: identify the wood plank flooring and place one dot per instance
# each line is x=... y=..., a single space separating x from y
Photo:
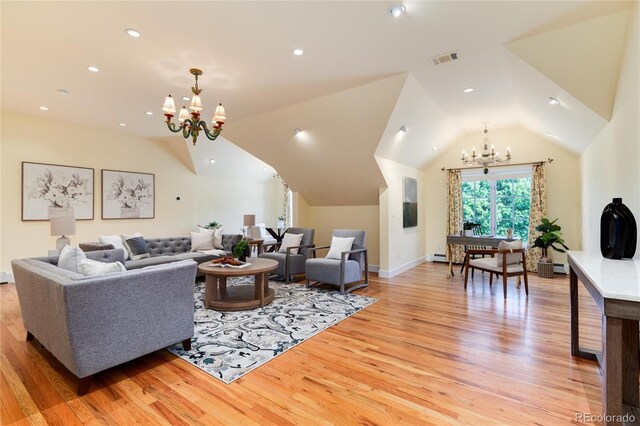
x=427 y=353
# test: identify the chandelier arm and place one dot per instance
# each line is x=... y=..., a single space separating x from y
x=210 y=135
x=172 y=126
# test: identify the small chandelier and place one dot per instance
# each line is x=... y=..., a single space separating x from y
x=488 y=157
x=192 y=126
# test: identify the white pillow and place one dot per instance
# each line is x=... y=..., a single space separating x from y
x=338 y=245
x=127 y=250
x=511 y=258
x=202 y=240
x=91 y=268
x=70 y=258
x=116 y=242
x=217 y=238
x=263 y=230
x=290 y=240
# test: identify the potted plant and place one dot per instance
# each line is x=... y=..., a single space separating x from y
x=550 y=237
x=280 y=224
x=213 y=225
x=468 y=228
x=242 y=250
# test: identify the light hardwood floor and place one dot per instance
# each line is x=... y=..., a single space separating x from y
x=426 y=353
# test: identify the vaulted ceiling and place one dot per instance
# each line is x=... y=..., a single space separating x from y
x=362 y=76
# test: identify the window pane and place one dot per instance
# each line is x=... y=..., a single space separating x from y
x=522 y=209
x=483 y=189
x=521 y=230
x=504 y=209
x=468 y=210
x=502 y=226
x=504 y=187
x=522 y=187
x=483 y=214
x=468 y=189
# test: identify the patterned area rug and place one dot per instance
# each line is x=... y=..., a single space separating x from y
x=228 y=345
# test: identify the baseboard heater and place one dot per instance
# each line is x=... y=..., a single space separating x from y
x=558 y=268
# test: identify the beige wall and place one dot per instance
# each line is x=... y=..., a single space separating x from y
x=563 y=183
x=202 y=198
x=610 y=166
x=324 y=219
x=400 y=248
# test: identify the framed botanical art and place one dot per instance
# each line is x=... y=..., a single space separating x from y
x=50 y=190
x=128 y=195
x=410 y=203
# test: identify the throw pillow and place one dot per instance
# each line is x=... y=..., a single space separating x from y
x=338 y=245
x=116 y=241
x=202 y=240
x=290 y=240
x=217 y=238
x=70 y=258
x=263 y=230
x=91 y=268
x=511 y=258
x=137 y=247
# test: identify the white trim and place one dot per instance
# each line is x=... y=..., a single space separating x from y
x=6 y=277
x=504 y=172
x=402 y=268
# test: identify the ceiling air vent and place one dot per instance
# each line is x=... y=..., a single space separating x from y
x=447 y=57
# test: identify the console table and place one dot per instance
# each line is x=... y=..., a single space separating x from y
x=615 y=287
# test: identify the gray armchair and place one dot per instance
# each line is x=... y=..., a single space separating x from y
x=347 y=270
x=290 y=264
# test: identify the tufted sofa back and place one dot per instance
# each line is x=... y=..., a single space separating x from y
x=168 y=245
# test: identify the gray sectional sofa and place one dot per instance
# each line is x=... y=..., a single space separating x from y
x=168 y=249
x=93 y=323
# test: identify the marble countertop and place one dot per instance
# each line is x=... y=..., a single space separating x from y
x=614 y=279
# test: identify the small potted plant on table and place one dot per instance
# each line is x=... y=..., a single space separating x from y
x=468 y=228
x=242 y=250
x=550 y=237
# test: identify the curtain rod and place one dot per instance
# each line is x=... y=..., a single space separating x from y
x=549 y=160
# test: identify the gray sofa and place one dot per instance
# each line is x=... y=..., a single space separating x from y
x=93 y=323
x=168 y=249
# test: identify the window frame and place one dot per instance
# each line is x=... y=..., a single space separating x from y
x=503 y=173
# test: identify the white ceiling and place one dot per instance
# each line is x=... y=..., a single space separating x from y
x=244 y=49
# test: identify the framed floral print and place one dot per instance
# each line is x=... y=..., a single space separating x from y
x=128 y=195
x=50 y=190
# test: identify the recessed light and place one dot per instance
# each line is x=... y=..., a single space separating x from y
x=550 y=135
x=468 y=90
x=435 y=148
x=403 y=128
x=133 y=33
x=297 y=52
x=297 y=130
x=212 y=161
x=553 y=101
x=92 y=68
x=185 y=98
x=44 y=108
x=149 y=113
x=63 y=91
x=397 y=10
x=123 y=124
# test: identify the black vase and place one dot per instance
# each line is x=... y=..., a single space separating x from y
x=618 y=231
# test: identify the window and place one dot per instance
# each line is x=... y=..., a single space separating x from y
x=498 y=201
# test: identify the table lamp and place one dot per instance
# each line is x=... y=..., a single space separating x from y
x=249 y=220
x=62 y=226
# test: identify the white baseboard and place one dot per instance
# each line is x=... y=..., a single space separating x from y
x=402 y=268
x=6 y=277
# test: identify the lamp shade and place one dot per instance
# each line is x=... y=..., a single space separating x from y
x=169 y=106
x=184 y=114
x=63 y=225
x=219 y=116
x=249 y=220
x=196 y=103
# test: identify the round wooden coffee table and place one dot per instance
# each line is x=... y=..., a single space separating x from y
x=242 y=297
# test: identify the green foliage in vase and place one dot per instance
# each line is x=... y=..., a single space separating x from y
x=240 y=249
x=213 y=225
x=550 y=237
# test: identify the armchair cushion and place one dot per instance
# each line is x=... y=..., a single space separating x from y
x=328 y=271
x=511 y=258
x=491 y=264
x=338 y=245
x=296 y=262
x=290 y=240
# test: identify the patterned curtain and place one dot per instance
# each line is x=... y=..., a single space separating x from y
x=538 y=210
x=454 y=222
x=286 y=205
